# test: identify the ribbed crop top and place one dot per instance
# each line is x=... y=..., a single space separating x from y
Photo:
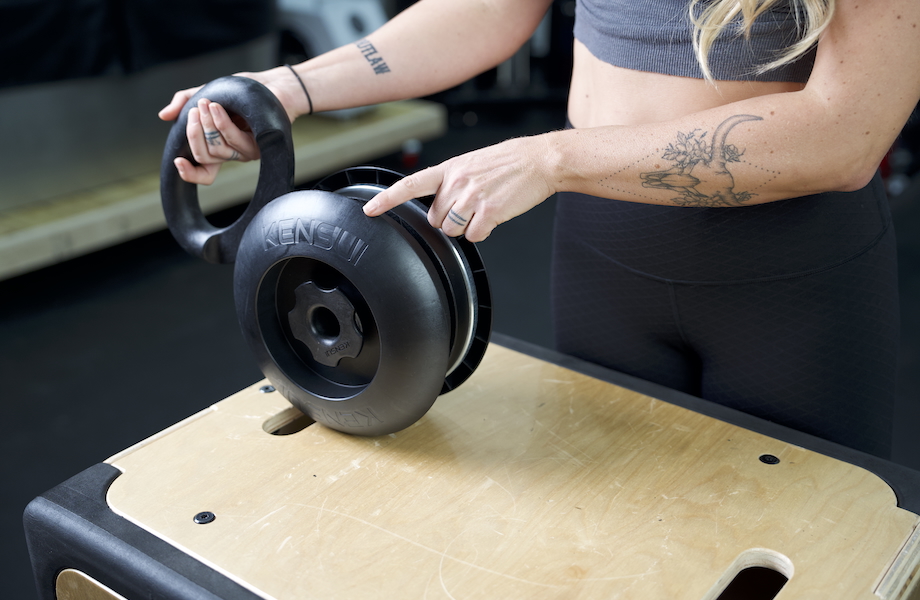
x=656 y=36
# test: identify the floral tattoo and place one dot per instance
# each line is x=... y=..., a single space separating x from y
x=700 y=174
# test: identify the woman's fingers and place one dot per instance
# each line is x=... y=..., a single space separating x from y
x=455 y=224
x=207 y=142
x=418 y=185
x=475 y=192
x=238 y=140
x=195 y=134
x=452 y=213
x=213 y=139
x=212 y=135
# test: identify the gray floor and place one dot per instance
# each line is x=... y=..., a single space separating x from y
x=105 y=350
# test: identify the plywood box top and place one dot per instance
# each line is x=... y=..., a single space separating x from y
x=529 y=481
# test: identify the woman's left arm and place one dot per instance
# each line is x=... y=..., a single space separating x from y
x=830 y=136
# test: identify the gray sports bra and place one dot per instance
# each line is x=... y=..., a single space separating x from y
x=655 y=35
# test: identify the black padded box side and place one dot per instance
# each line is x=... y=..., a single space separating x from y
x=72 y=526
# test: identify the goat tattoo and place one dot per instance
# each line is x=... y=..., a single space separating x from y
x=700 y=174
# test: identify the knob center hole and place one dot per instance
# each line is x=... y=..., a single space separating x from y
x=324 y=323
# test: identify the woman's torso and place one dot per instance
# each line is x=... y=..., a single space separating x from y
x=603 y=94
x=634 y=61
x=769 y=240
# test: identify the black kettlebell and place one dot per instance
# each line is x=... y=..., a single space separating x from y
x=359 y=322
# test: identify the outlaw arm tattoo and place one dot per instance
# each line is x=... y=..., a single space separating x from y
x=372 y=56
x=700 y=174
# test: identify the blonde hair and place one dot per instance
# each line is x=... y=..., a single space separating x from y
x=812 y=17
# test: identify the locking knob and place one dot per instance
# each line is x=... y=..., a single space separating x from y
x=326 y=322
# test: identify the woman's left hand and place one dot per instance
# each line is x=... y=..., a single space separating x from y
x=477 y=191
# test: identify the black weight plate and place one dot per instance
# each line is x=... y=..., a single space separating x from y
x=459 y=263
x=390 y=280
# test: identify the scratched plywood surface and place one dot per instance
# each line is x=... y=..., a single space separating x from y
x=529 y=481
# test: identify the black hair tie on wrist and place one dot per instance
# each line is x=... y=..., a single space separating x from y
x=306 y=93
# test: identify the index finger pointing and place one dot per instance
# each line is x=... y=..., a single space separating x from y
x=424 y=183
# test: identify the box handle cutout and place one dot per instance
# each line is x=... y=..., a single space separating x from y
x=754 y=583
x=757 y=574
x=288 y=421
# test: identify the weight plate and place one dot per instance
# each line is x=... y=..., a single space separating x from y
x=458 y=261
x=360 y=322
x=395 y=301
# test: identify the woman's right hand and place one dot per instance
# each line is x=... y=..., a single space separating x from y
x=214 y=136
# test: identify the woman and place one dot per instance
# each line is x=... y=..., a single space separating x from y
x=720 y=227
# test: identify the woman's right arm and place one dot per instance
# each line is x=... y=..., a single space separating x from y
x=431 y=46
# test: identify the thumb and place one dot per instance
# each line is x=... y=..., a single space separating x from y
x=171 y=111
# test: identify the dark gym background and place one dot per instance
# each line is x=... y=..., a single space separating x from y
x=104 y=350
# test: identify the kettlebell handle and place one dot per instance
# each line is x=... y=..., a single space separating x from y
x=268 y=121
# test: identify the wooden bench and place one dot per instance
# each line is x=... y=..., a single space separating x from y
x=54 y=230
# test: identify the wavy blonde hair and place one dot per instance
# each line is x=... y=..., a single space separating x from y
x=812 y=17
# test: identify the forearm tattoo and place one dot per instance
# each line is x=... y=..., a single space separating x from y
x=372 y=56
x=700 y=175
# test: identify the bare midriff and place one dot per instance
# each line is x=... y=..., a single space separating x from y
x=602 y=94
